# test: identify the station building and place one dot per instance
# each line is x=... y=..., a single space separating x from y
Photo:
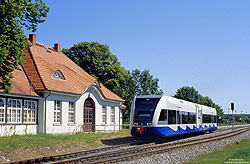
x=51 y=94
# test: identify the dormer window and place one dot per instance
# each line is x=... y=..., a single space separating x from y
x=58 y=75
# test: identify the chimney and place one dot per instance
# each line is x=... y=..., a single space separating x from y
x=57 y=47
x=32 y=38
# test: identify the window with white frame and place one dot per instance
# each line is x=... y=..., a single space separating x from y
x=112 y=115
x=29 y=112
x=57 y=111
x=14 y=111
x=71 y=114
x=104 y=115
x=58 y=75
x=2 y=109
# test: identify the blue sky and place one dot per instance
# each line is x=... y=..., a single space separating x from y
x=204 y=44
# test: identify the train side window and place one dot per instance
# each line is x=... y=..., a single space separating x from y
x=163 y=115
x=203 y=118
x=190 y=119
x=207 y=118
x=178 y=117
x=184 y=116
x=193 y=116
x=171 y=117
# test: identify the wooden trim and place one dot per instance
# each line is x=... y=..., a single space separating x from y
x=6 y=108
x=36 y=112
x=93 y=108
x=22 y=110
x=57 y=124
x=21 y=97
x=71 y=124
x=18 y=123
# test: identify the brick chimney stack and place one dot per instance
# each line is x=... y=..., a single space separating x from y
x=32 y=38
x=57 y=47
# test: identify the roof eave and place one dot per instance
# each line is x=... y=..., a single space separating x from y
x=101 y=95
x=48 y=91
x=20 y=95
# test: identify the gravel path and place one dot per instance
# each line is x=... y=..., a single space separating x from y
x=186 y=154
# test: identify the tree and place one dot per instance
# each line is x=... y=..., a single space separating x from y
x=188 y=94
x=98 y=61
x=192 y=95
x=14 y=15
x=145 y=83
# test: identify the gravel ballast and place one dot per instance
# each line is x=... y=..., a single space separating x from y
x=186 y=154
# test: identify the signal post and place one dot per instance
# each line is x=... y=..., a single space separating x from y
x=232 y=108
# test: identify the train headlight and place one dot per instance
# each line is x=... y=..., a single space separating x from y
x=149 y=123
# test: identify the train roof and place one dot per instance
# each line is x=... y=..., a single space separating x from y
x=174 y=102
x=149 y=96
x=190 y=105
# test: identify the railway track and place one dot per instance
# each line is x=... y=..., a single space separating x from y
x=126 y=152
x=73 y=155
x=142 y=151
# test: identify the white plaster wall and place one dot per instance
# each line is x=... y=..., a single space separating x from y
x=100 y=126
x=20 y=129
x=40 y=118
x=65 y=127
x=8 y=130
x=46 y=124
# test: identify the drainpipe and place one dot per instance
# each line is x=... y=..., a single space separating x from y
x=45 y=110
x=119 y=119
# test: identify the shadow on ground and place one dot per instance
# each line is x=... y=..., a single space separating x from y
x=118 y=141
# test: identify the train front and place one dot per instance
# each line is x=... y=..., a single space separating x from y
x=142 y=112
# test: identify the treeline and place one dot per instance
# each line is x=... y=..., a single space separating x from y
x=192 y=95
x=98 y=61
x=237 y=117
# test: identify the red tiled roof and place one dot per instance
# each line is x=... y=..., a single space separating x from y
x=122 y=105
x=32 y=72
x=46 y=61
x=20 y=84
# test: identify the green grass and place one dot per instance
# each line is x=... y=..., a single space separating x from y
x=233 y=153
x=237 y=123
x=40 y=140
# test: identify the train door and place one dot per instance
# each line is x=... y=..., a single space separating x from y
x=178 y=119
x=198 y=117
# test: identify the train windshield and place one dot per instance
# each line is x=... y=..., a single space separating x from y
x=144 y=109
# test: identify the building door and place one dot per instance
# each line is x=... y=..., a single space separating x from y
x=89 y=115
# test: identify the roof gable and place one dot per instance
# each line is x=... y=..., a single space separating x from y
x=46 y=61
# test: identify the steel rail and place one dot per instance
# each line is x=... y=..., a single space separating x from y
x=130 y=153
x=71 y=155
x=108 y=150
x=163 y=149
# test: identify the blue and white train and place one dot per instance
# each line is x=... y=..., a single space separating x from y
x=163 y=116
